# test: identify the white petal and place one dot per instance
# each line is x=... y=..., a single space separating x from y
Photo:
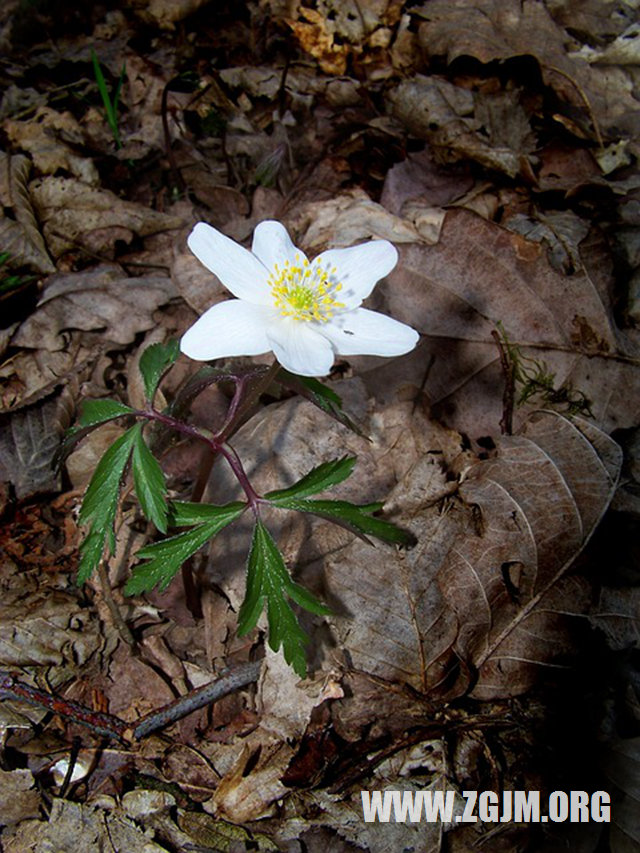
x=229 y=328
x=272 y=245
x=299 y=348
x=364 y=332
x=239 y=270
x=359 y=268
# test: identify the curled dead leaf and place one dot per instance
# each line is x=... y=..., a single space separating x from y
x=71 y=212
x=101 y=298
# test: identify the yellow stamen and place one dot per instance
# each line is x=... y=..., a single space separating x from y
x=305 y=292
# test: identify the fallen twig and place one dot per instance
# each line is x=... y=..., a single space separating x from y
x=108 y=725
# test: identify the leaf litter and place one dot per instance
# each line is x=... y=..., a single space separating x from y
x=495 y=144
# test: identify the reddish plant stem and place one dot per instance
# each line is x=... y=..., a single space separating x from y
x=240 y=410
x=216 y=446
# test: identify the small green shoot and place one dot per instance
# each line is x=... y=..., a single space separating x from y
x=110 y=102
x=10 y=283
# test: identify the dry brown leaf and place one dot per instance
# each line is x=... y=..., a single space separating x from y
x=338 y=29
x=496 y=30
x=560 y=231
x=420 y=178
x=100 y=298
x=81 y=464
x=167 y=13
x=142 y=129
x=490 y=129
x=617 y=615
x=50 y=138
x=199 y=288
x=32 y=374
x=43 y=627
x=20 y=237
x=479 y=275
x=316 y=37
x=286 y=703
x=19 y=797
x=353 y=217
x=592 y=20
x=135 y=688
x=241 y=795
x=74 y=214
x=538 y=503
x=70 y=824
x=29 y=440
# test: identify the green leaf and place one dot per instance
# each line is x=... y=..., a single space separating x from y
x=149 y=482
x=166 y=557
x=268 y=582
x=101 y=503
x=154 y=361
x=185 y=513
x=358 y=519
x=305 y=599
x=94 y=412
x=321 y=396
x=285 y=631
x=91 y=551
x=320 y=478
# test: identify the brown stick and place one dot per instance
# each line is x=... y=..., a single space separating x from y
x=508 y=395
x=108 y=725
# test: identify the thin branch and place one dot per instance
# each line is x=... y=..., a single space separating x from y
x=508 y=395
x=108 y=725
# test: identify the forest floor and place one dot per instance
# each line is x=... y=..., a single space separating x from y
x=495 y=143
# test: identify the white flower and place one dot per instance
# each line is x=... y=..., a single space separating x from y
x=305 y=312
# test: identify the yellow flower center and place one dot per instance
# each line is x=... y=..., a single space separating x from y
x=305 y=291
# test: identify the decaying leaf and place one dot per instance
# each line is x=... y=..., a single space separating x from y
x=490 y=129
x=560 y=231
x=20 y=237
x=101 y=298
x=50 y=138
x=421 y=178
x=538 y=502
x=495 y=30
x=70 y=823
x=353 y=217
x=74 y=214
x=29 y=439
x=479 y=276
x=167 y=13
x=335 y=30
x=44 y=627
x=19 y=798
